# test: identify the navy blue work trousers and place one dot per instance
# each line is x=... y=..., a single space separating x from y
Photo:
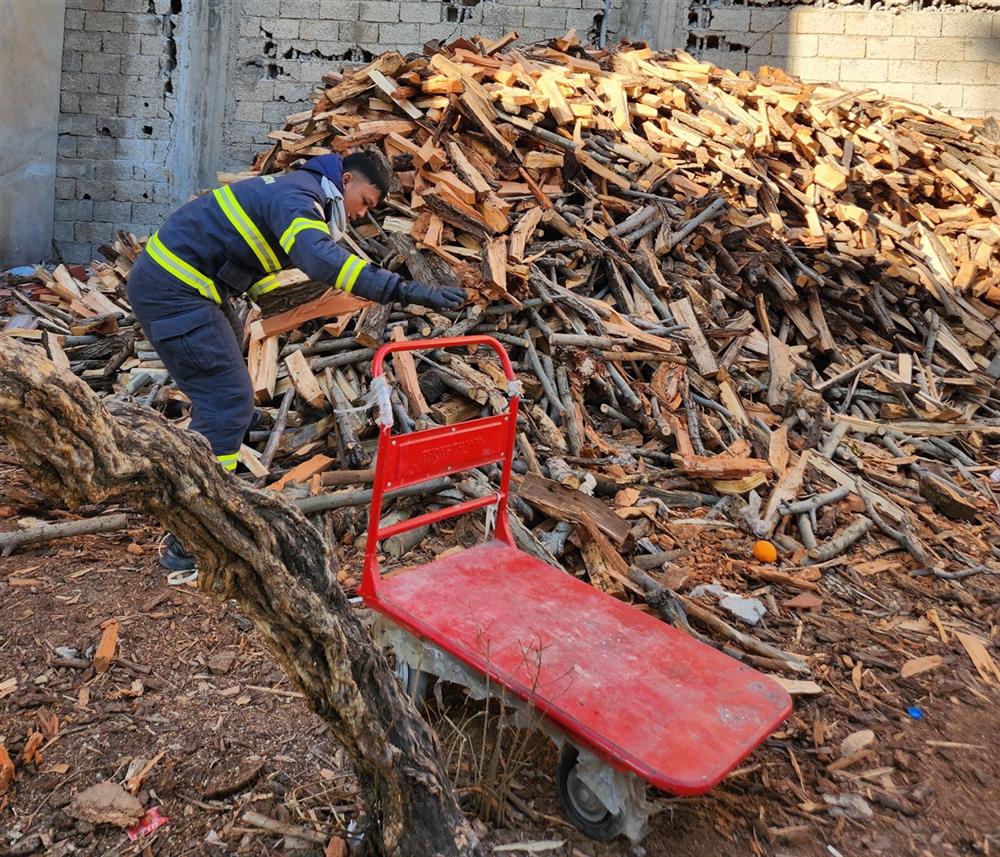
x=198 y=344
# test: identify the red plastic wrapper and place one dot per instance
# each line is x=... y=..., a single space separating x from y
x=152 y=820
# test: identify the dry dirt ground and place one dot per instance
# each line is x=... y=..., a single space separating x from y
x=194 y=691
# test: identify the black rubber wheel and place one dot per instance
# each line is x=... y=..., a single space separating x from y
x=582 y=808
x=416 y=683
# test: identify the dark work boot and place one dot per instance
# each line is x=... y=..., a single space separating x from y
x=174 y=557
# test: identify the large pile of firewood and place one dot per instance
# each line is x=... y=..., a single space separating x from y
x=719 y=290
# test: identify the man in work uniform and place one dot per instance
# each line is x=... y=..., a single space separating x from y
x=233 y=241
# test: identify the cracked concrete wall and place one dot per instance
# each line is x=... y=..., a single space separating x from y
x=947 y=55
x=30 y=43
x=116 y=127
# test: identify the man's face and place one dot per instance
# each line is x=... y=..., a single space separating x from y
x=359 y=195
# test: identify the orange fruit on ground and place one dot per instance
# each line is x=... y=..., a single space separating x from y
x=765 y=551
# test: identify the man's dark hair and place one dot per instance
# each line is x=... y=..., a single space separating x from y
x=371 y=167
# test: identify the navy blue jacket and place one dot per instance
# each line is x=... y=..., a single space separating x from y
x=290 y=215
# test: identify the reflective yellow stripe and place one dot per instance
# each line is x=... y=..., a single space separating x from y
x=263 y=286
x=180 y=269
x=236 y=215
x=229 y=461
x=348 y=275
x=296 y=226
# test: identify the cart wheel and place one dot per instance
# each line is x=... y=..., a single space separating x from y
x=416 y=682
x=582 y=808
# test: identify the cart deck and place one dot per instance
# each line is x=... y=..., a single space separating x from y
x=637 y=693
x=641 y=694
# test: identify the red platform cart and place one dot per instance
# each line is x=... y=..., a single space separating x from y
x=632 y=700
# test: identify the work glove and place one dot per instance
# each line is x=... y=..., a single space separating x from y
x=435 y=297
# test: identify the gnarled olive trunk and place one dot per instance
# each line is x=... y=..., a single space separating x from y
x=254 y=548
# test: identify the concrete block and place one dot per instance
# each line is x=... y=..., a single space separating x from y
x=130 y=191
x=379 y=11
x=104 y=22
x=73 y=19
x=864 y=70
x=72 y=61
x=250 y=27
x=258 y=7
x=421 y=12
x=138 y=150
x=770 y=20
x=140 y=65
x=102 y=63
x=842 y=47
x=115 y=171
x=817 y=68
x=939 y=48
x=95 y=189
x=133 y=6
x=73 y=251
x=567 y=4
x=281 y=28
x=66 y=147
x=960 y=71
x=398 y=34
x=149 y=86
x=993 y=73
x=69 y=102
x=80 y=82
x=249 y=111
x=78 y=40
x=299 y=8
x=581 y=19
x=819 y=21
x=996 y=27
x=504 y=17
x=797 y=45
x=62 y=232
x=340 y=10
x=324 y=31
x=974 y=24
x=152 y=46
x=87 y=5
x=360 y=32
x=65 y=188
x=74 y=169
x=912 y=71
x=78 y=124
x=545 y=19
x=917 y=24
x=74 y=209
x=146 y=25
x=941 y=94
x=857 y=23
x=982 y=50
x=113 y=212
x=735 y=18
x=104 y=107
x=120 y=43
x=890 y=47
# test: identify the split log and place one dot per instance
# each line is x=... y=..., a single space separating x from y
x=47 y=532
x=254 y=548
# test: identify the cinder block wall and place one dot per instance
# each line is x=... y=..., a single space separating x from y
x=948 y=57
x=285 y=46
x=116 y=110
x=121 y=160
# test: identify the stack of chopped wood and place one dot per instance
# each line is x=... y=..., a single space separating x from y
x=712 y=285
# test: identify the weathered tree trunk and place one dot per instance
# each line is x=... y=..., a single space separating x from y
x=254 y=548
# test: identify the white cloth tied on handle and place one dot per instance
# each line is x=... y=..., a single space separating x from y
x=378 y=394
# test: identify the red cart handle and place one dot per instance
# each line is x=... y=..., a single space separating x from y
x=444 y=342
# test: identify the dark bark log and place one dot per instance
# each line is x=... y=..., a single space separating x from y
x=256 y=549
